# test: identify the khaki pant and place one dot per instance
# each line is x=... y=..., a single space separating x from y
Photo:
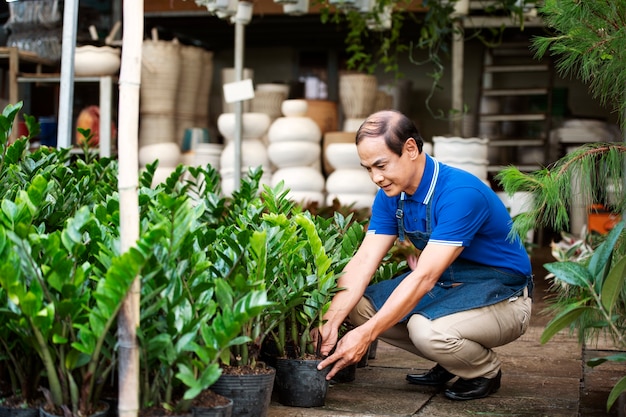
x=462 y=343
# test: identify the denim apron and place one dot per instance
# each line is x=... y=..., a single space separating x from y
x=465 y=285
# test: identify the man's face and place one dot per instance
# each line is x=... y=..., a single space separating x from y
x=389 y=171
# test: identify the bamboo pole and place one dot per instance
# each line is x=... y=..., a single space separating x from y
x=129 y=83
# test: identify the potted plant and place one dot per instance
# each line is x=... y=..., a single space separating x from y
x=587 y=42
x=191 y=316
x=64 y=281
x=304 y=255
x=62 y=278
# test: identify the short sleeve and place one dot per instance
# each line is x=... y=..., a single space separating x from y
x=459 y=216
x=383 y=220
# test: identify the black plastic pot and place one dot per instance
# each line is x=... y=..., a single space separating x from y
x=217 y=411
x=300 y=384
x=347 y=374
x=103 y=413
x=251 y=393
x=18 y=412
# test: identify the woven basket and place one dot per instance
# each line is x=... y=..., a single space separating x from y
x=160 y=71
x=189 y=80
x=204 y=88
x=357 y=94
x=155 y=128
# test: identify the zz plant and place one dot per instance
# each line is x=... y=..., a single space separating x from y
x=62 y=278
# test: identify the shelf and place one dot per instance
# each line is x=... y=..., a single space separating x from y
x=56 y=78
x=538 y=91
x=516 y=68
x=512 y=117
x=105 y=100
x=516 y=142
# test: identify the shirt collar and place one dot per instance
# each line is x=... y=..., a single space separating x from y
x=426 y=188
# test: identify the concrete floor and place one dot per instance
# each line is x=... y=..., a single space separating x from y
x=538 y=380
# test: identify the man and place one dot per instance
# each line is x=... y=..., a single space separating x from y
x=469 y=290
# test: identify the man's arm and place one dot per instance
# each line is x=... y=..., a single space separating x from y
x=354 y=280
x=433 y=261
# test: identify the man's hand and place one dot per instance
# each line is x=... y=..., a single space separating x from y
x=350 y=349
x=326 y=335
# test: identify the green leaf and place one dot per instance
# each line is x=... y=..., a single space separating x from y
x=602 y=255
x=620 y=357
x=562 y=320
x=613 y=284
x=570 y=272
x=617 y=390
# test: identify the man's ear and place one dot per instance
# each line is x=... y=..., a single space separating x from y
x=410 y=146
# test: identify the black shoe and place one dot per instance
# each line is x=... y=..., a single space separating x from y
x=436 y=376
x=471 y=389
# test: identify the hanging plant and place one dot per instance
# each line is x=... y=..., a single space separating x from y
x=373 y=44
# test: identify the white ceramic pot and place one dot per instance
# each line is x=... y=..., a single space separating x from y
x=342 y=156
x=294 y=107
x=168 y=154
x=307 y=197
x=96 y=60
x=228 y=180
x=253 y=125
x=208 y=154
x=357 y=201
x=293 y=129
x=253 y=154
x=299 y=179
x=292 y=154
x=351 y=181
x=478 y=168
x=446 y=148
x=519 y=202
x=161 y=174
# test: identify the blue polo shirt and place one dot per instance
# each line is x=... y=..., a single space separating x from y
x=464 y=212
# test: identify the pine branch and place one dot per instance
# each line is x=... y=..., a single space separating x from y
x=579 y=178
x=588 y=43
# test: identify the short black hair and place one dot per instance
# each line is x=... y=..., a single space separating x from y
x=394 y=126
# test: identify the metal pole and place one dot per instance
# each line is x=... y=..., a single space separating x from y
x=66 y=95
x=457 y=79
x=239 y=46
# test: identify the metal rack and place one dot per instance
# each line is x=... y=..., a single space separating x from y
x=510 y=74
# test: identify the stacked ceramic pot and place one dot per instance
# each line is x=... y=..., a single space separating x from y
x=167 y=153
x=253 y=151
x=348 y=183
x=469 y=154
x=295 y=150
